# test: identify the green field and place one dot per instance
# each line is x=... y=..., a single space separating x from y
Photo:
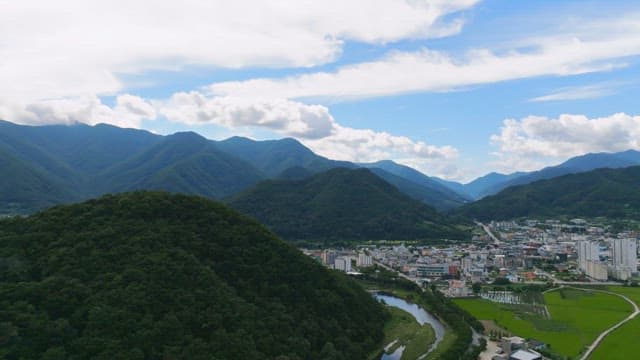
x=404 y=328
x=577 y=317
x=624 y=341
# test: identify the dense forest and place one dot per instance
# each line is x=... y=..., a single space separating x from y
x=149 y=275
x=612 y=193
x=343 y=204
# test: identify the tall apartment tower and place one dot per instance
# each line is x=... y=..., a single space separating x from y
x=587 y=251
x=624 y=254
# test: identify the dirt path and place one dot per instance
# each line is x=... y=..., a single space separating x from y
x=598 y=340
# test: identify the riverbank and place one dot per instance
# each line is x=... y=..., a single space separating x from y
x=403 y=332
x=458 y=337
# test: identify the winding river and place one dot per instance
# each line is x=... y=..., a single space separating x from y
x=421 y=316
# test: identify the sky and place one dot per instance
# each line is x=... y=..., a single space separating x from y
x=454 y=88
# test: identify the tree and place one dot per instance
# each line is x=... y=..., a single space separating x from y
x=476 y=287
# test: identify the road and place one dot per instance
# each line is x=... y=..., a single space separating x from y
x=395 y=271
x=488 y=231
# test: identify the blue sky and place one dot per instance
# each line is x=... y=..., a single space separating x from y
x=454 y=88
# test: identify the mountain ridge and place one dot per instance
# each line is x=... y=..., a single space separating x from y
x=604 y=192
x=342 y=204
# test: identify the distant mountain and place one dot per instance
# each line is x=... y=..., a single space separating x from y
x=479 y=187
x=183 y=163
x=158 y=276
x=295 y=173
x=272 y=157
x=436 y=198
x=429 y=190
x=342 y=204
x=454 y=186
x=76 y=150
x=26 y=186
x=613 y=193
x=493 y=183
x=576 y=164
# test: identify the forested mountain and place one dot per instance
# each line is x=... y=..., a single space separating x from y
x=574 y=165
x=158 y=276
x=59 y=164
x=612 y=193
x=478 y=188
x=434 y=192
x=185 y=163
x=342 y=204
x=275 y=156
x=26 y=186
x=435 y=198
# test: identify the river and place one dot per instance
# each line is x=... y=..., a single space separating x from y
x=421 y=316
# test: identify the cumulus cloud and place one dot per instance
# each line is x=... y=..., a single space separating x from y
x=536 y=141
x=75 y=47
x=430 y=70
x=365 y=145
x=280 y=115
x=128 y=111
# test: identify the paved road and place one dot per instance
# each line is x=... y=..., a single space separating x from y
x=488 y=231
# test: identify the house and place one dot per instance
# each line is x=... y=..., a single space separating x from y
x=525 y=355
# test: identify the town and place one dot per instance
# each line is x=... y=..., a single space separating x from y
x=501 y=257
x=527 y=251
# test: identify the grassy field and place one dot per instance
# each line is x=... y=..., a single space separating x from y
x=404 y=328
x=449 y=338
x=577 y=317
x=623 y=342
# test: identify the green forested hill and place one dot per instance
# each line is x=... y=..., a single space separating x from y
x=342 y=204
x=157 y=276
x=613 y=193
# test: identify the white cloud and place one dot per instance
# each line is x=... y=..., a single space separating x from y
x=129 y=111
x=365 y=145
x=79 y=48
x=534 y=141
x=282 y=116
x=429 y=70
x=576 y=93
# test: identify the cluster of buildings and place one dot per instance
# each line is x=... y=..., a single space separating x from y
x=530 y=251
x=342 y=260
x=601 y=259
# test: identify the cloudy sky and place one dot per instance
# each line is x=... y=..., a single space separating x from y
x=455 y=88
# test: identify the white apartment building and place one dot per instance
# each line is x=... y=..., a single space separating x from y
x=343 y=264
x=364 y=260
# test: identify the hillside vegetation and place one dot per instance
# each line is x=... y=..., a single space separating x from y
x=158 y=276
x=613 y=193
x=342 y=204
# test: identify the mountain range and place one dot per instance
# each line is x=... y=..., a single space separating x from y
x=493 y=183
x=60 y=164
x=611 y=193
x=50 y=165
